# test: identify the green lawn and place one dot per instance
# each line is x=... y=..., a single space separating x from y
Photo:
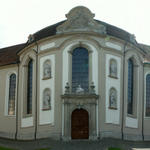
x=44 y=149
x=111 y=148
x=3 y=148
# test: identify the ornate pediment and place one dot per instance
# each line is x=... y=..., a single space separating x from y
x=81 y=19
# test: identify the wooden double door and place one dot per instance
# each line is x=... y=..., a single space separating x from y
x=80 y=124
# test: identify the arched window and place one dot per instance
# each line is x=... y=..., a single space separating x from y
x=113 y=68
x=148 y=95
x=47 y=69
x=113 y=98
x=130 y=85
x=12 y=94
x=80 y=70
x=29 y=87
x=46 y=99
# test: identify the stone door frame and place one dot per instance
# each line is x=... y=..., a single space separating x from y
x=70 y=102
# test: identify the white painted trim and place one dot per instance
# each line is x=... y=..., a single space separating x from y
x=27 y=122
x=113 y=45
x=131 y=122
x=7 y=92
x=66 y=64
x=112 y=116
x=47 y=46
x=47 y=117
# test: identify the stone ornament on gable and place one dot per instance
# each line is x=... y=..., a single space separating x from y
x=81 y=19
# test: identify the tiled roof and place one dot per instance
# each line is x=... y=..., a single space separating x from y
x=111 y=30
x=9 y=56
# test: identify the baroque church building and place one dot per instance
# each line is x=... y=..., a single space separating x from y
x=80 y=78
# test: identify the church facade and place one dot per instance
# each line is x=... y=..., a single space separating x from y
x=77 y=79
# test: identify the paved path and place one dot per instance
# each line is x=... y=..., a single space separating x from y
x=73 y=145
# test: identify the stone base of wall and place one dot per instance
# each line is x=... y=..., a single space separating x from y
x=146 y=137
x=110 y=134
x=25 y=136
x=132 y=137
x=7 y=135
x=48 y=134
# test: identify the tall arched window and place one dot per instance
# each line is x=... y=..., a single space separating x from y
x=147 y=95
x=130 y=85
x=12 y=94
x=29 y=87
x=80 y=70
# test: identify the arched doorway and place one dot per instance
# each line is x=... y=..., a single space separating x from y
x=80 y=124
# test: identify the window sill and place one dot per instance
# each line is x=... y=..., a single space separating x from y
x=131 y=116
x=10 y=115
x=113 y=77
x=112 y=108
x=27 y=115
x=46 y=109
x=46 y=78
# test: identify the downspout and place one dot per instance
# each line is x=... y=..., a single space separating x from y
x=63 y=119
x=97 y=118
x=143 y=105
x=36 y=104
x=17 y=106
x=123 y=88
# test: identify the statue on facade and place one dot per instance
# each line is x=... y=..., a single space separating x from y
x=113 y=98
x=79 y=90
x=46 y=99
x=47 y=70
x=113 y=68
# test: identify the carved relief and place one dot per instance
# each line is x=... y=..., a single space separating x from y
x=47 y=70
x=113 y=68
x=113 y=98
x=46 y=99
x=81 y=19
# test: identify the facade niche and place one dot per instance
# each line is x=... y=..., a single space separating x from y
x=113 y=68
x=112 y=98
x=46 y=99
x=47 y=70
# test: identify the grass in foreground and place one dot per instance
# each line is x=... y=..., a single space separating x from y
x=3 y=148
x=44 y=149
x=111 y=148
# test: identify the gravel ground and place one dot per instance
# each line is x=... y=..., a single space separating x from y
x=74 y=145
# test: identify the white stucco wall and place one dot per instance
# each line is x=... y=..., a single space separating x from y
x=113 y=45
x=131 y=122
x=47 y=116
x=112 y=115
x=47 y=46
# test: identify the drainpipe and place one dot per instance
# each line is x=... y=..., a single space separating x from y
x=97 y=117
x=143 y=105
x=17 y=106
x=123 y=88
x=63 y=119
x=36 y=104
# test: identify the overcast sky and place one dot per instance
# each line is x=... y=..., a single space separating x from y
x=19 y=18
